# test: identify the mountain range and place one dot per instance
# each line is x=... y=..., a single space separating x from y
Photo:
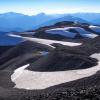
x=48 y=66
x=60 y=31
x=49 y=57
x=12 y=21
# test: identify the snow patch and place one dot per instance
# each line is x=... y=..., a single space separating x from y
x=61 y=31
x=44 y=52
x=13 y=35
x=27 y=79
x=19 y=71
x=95 y=28
x=90 y=35
x=50 y=42
x=46 y=41
x=65 y=32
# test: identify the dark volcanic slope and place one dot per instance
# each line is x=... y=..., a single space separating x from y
x=17 y=62
x=25 y=49
x=68 y=58
x=60 y=59
x=4 y=49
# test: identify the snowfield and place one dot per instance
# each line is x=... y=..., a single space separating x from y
x=95 y=28
x=65 y=32
x=90 y=35
x=46 y=41
x=61 y=31
x=27 y=79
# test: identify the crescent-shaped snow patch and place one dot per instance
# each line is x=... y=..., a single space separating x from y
x=27 y=79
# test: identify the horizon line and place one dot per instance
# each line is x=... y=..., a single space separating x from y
x=47 y=13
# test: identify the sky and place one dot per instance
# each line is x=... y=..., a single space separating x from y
x=33 y=7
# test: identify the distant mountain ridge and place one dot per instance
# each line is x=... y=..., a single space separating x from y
x=56 y=62
x=20 y=22
x=12 y=21
x=65 y=18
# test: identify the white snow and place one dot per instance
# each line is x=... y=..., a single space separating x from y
x=61 y=31
x=40 y=80
x=81 y=30
x=49 y=42
x=65 y=32
x=13 y=35
x=44 y=52
x=90 y=35
x=19 y=71
x=46 y=41
x=95 y=28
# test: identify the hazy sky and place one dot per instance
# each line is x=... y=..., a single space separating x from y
x=32 y=7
